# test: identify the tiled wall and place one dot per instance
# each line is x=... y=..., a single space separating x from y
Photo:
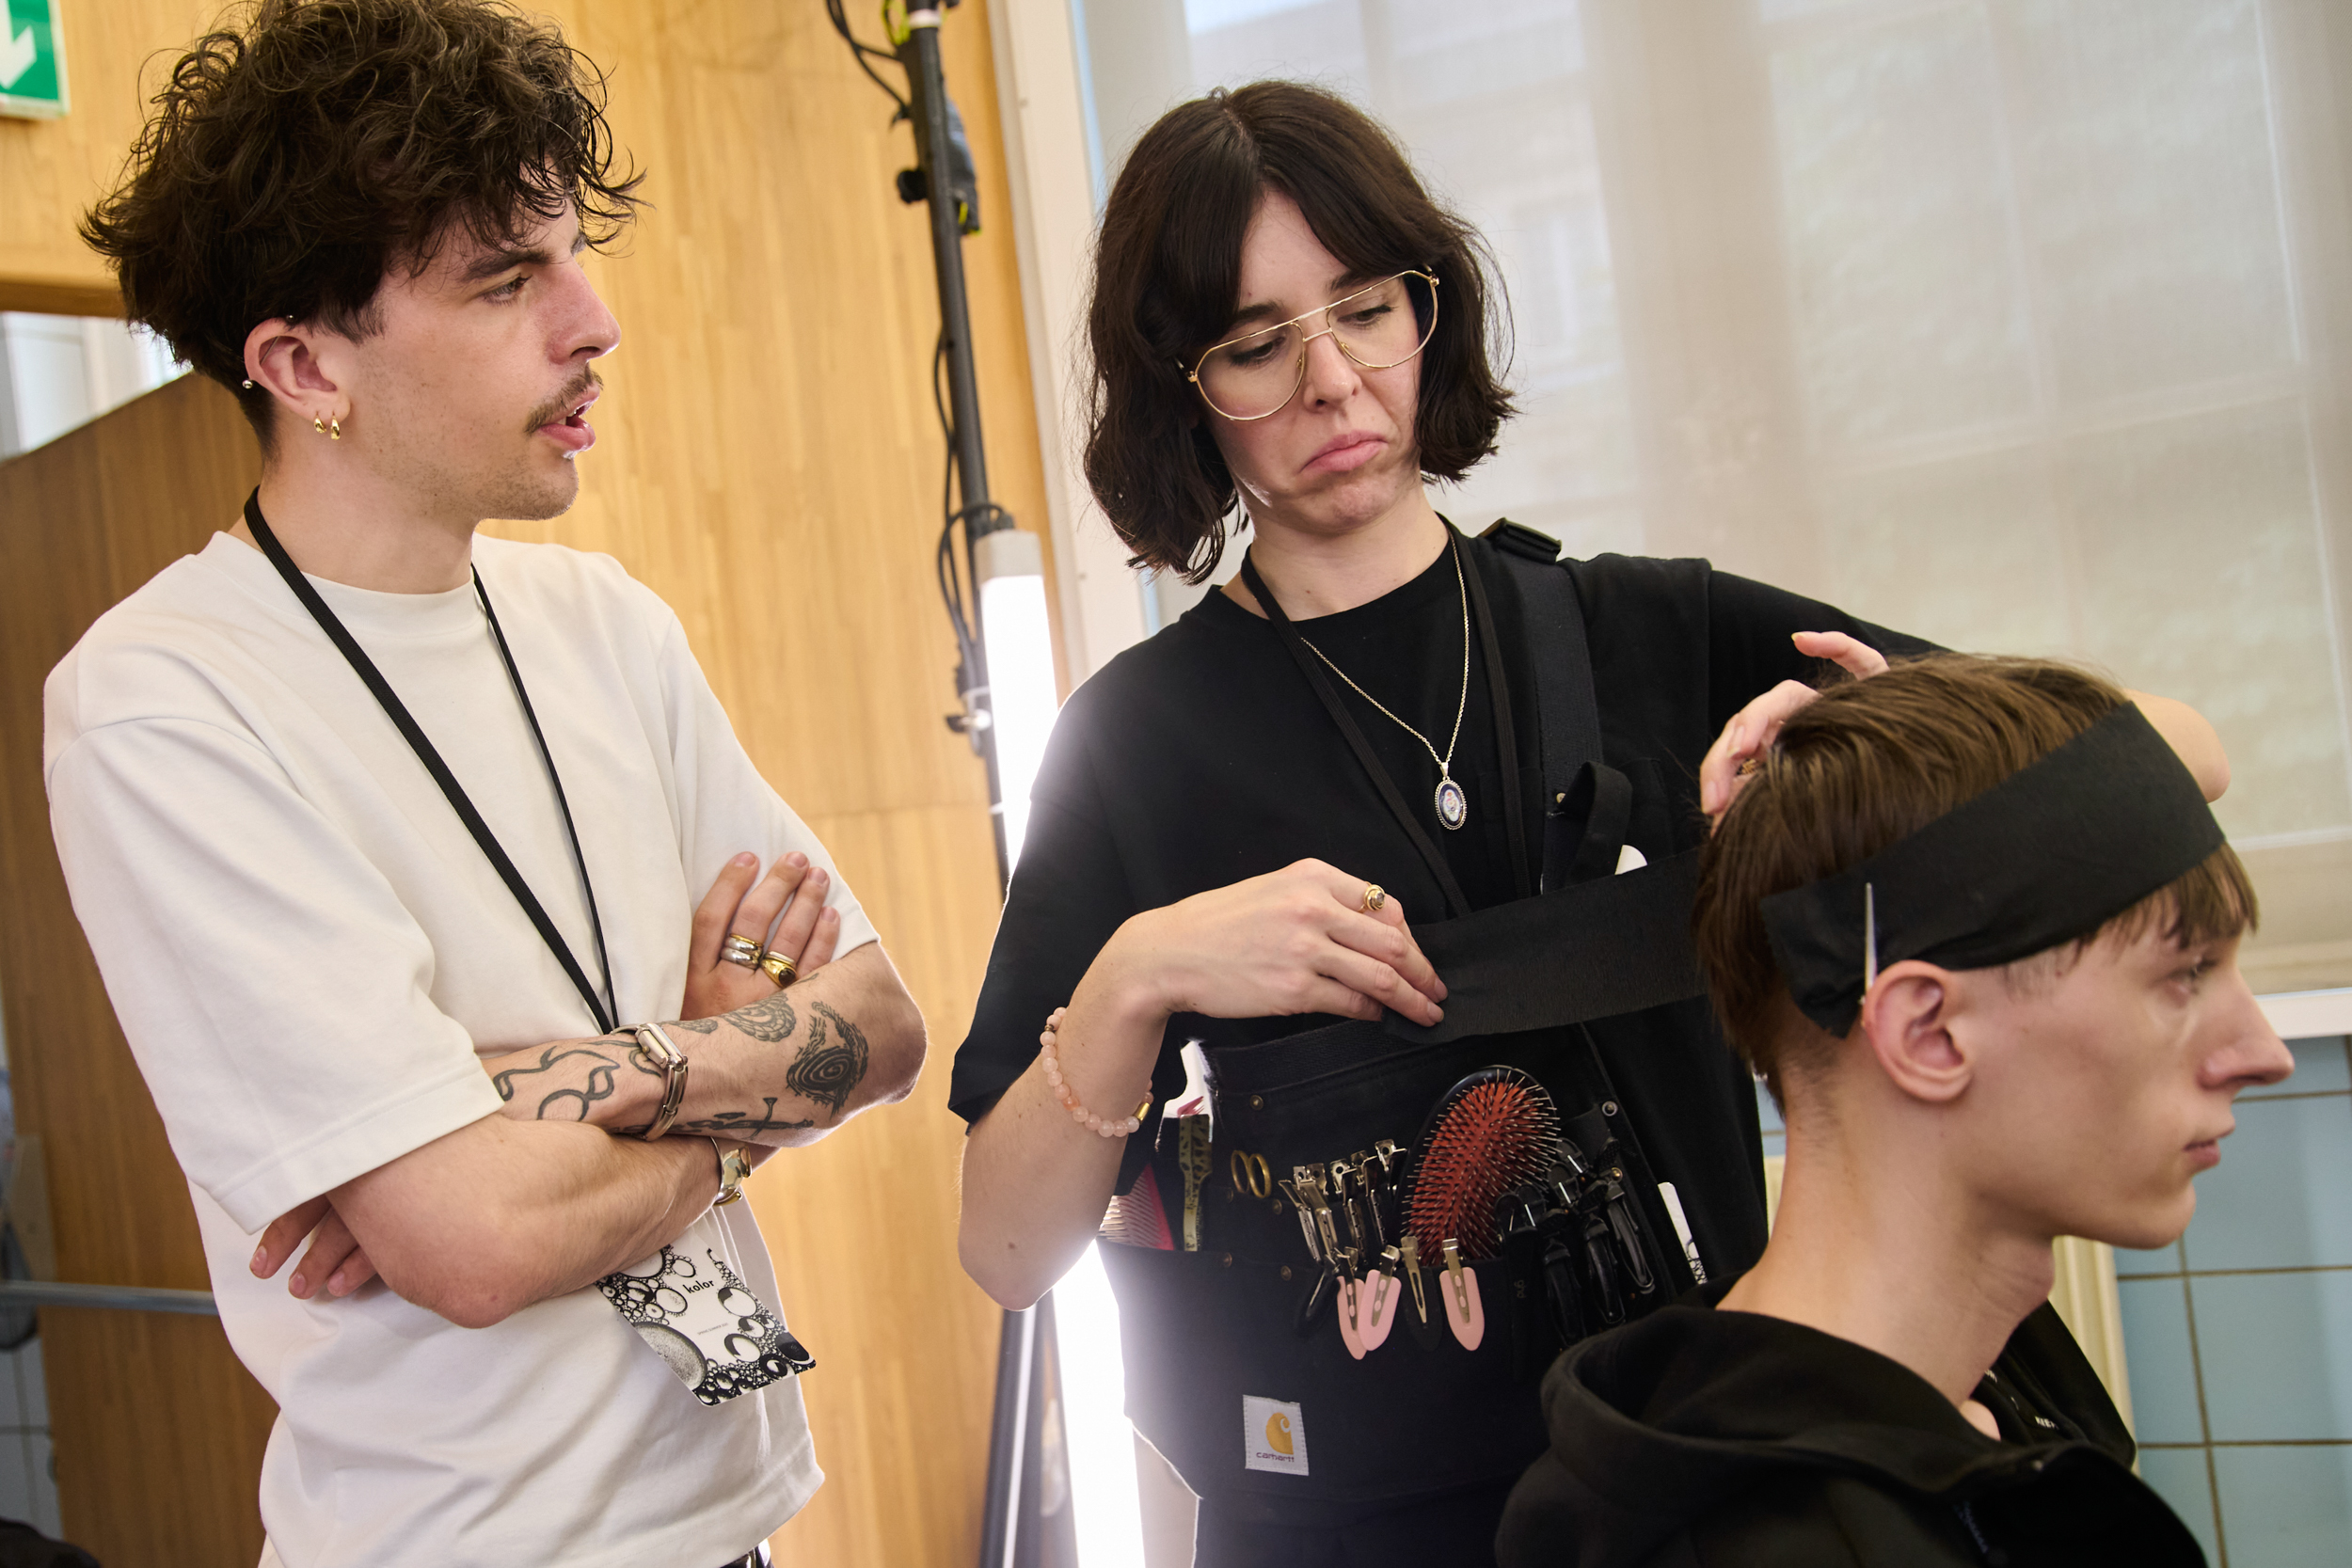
x=2240 y=1337
x=28 y=1489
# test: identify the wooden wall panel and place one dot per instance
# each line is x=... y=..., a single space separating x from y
x=156 y=1428
x=49 y=168
x=769 y=463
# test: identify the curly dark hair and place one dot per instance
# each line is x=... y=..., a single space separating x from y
x=1167 y=275
x=294 y=161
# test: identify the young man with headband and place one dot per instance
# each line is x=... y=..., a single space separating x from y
x=1973 y=923
x=387 y=839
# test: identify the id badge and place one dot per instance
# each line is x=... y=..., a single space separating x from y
x=696 y=1313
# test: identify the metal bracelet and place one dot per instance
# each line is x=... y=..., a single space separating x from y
x=659 y=1050
x=733 y=1167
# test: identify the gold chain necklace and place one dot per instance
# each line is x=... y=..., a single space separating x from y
x=1452 y=803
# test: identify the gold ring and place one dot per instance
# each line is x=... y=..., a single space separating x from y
x=1376 y=898
x=739 y=950
x=779 y=968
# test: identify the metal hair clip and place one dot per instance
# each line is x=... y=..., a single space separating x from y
x=1870 y=938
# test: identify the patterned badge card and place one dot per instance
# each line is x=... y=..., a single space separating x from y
x=701 y=1318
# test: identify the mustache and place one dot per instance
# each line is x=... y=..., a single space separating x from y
x=561 y=405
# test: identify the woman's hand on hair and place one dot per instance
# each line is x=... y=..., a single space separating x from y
x=2192 y=735
x=1294 y=940
x=1755 y=727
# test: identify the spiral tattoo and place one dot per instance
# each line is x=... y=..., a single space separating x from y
x=829 y=1071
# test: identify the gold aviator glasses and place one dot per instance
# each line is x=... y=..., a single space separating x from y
x=1255 y=376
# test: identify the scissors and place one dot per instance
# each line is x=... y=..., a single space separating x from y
x=1251 y=1174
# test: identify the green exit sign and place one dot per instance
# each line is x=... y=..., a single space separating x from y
x=32 y=60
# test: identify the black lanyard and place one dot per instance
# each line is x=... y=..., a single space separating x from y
x=599 y=1006
x=1498 y=696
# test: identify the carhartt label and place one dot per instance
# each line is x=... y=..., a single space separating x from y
x=1273 y=1435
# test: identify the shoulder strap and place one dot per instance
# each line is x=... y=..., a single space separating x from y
x=1565 y=707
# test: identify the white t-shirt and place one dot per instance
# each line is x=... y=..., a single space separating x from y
x=307 y=952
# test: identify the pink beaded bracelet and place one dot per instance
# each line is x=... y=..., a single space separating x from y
x=1069 y=1097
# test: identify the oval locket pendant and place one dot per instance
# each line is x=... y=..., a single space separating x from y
x=1452 y=805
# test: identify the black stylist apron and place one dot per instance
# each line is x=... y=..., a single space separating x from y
x=1217 y=1332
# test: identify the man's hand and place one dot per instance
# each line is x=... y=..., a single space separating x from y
x=1755 y=727
x=784 y=1069
x=735 y=907
x=338 y=1264
x=336 y=1261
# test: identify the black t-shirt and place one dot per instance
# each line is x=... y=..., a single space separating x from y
x=1202 y=757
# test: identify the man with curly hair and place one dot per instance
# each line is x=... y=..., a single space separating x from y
x=386 y=836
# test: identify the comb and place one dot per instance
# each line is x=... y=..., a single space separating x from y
x=1136 y=1217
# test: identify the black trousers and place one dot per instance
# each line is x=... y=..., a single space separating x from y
x=1453 y=1531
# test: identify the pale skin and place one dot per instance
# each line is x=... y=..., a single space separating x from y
x=1967 y=1122
x=465 y=404
x=1339 y=517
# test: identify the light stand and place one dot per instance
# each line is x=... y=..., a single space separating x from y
x=1006 y=718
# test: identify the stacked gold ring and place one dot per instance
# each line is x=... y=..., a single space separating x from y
x=739 y=950
x=779 y=968
x=1374 y=898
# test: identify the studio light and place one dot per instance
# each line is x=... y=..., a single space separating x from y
x=1018 y=639
x=1102 y=1447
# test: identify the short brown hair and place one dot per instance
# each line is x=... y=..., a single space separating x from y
x=292 y=161
x=1871 y=762
x=1168 y=274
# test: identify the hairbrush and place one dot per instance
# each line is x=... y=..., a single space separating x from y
x=1490 y=1132
x=1136 y=1217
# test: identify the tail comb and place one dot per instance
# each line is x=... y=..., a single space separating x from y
x=1136 y=1217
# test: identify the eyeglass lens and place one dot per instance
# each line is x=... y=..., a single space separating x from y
x=1378 y=327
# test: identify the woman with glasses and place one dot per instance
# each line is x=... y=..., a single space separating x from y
x=1241 y=822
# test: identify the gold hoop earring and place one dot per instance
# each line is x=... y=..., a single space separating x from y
x=334 y=430
x=318 y=424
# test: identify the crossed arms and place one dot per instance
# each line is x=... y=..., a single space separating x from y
x=544 y=1198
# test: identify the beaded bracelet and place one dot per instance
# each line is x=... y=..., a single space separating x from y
x=1069 y=1097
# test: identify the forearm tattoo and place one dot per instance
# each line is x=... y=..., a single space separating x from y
x=566 y=1103
x=828 y=1070
x=744 y=1126
x=770 y=1019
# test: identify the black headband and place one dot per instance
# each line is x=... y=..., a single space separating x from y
x=2044 y=857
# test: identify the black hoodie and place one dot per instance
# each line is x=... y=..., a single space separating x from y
x=1696 y=1439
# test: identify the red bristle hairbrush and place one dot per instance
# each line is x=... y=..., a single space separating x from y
x=1492 y=1131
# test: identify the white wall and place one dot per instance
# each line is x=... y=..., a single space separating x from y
x=59 y=372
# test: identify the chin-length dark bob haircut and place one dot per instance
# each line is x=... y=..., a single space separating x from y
x=1168 y=279
x=294 y=159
